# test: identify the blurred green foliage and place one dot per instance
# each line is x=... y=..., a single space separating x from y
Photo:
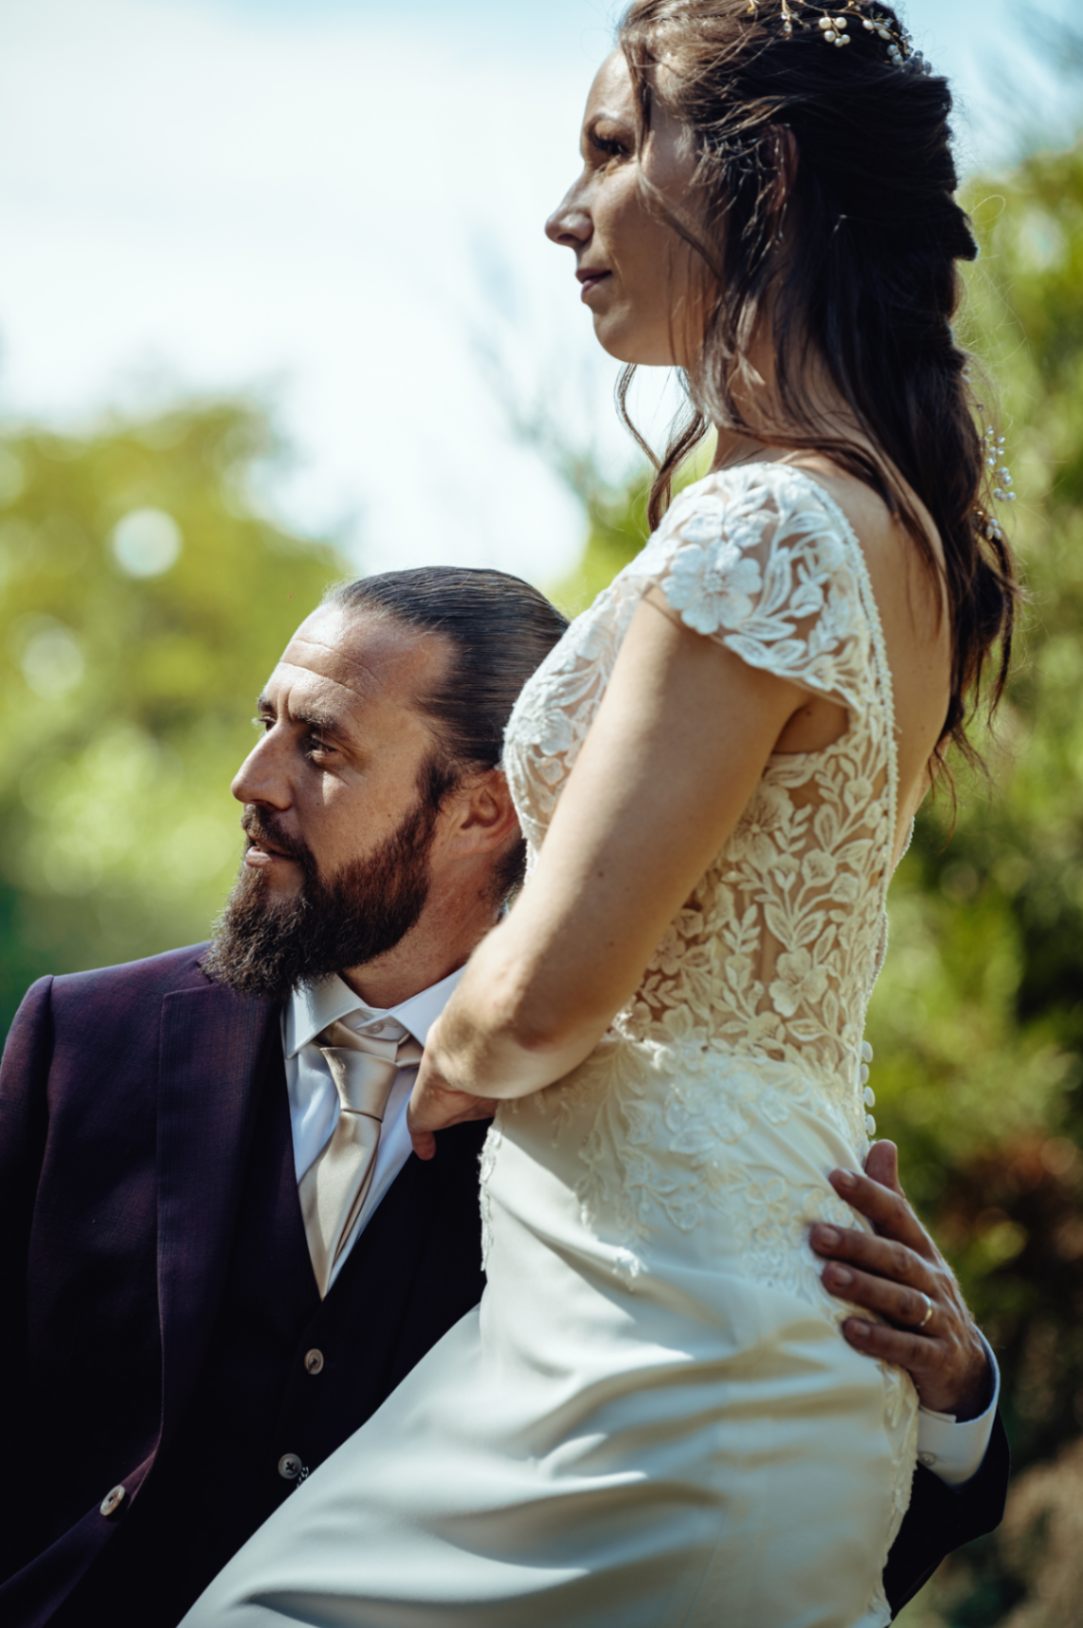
x=143 y=601
x=977 y=1020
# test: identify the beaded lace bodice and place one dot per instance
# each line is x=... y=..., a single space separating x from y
x=775 y=952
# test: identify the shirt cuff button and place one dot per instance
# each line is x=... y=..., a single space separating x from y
x=112 y=1501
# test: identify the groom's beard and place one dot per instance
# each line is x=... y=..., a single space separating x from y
x=266 y=946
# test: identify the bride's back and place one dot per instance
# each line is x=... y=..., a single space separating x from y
x=915 y=614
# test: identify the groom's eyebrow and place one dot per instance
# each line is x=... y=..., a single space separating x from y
x=322 y=721
x=311 y=717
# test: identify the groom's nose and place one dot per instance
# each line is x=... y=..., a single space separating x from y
x=263 y=777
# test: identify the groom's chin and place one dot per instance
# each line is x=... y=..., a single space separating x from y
x=257 y=945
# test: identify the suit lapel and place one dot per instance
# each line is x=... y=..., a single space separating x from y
x=218 y=1051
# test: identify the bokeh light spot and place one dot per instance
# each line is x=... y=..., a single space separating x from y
x=146 y=542
x=52 y=658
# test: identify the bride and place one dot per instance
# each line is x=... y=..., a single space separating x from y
x=651 y=1419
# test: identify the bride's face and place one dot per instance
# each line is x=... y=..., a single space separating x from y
x=639 y=278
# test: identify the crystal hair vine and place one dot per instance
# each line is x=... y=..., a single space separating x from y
x=993 y=446
x=834 y=26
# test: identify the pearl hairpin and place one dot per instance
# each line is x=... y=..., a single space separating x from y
x=898 y=46
x=834 y=30
x=834 y=27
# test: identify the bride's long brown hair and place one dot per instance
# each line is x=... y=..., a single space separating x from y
x=824 y=194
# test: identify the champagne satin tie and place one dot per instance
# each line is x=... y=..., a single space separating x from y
x=334 y=1187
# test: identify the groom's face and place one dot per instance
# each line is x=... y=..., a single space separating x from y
x=341 y=826
x=342 y=743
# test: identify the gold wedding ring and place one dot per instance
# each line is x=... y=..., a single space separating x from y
x=928 y=1311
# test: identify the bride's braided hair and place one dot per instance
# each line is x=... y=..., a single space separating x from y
x=825 y=203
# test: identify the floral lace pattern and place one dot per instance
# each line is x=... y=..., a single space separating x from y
x=776 y=951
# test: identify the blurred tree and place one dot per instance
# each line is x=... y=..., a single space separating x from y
x=144 y=601
x=978 y=1018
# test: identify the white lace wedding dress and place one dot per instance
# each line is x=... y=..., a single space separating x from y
x=652 y=1420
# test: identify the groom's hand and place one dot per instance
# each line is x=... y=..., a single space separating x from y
x=898 y=1273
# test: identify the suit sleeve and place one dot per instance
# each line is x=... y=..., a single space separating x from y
x=24 y=1072
x=941 y=1518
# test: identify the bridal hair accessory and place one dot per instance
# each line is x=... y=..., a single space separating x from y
x=994 y=459
x=834 y=26
x=1002 y=483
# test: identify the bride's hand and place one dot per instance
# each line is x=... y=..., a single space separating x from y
x=434 y=1105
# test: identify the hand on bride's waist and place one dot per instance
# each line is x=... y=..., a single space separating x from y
x=490 y=1045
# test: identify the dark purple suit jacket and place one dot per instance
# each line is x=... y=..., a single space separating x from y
x=126 y=1099
x=127 y=1104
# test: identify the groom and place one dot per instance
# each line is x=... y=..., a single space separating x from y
x=198 y=1308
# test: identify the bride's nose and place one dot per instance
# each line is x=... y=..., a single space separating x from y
x=569 y=225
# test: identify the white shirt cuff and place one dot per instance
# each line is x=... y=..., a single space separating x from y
x=953 y=1449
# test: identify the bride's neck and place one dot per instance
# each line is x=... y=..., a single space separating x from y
x=757 y=401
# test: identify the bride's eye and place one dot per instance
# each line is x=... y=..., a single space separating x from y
x=610 y=146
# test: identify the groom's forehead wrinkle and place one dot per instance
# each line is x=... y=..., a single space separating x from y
x=323 y=689
x=336 y=666
x=351 y=675
x=373 y=656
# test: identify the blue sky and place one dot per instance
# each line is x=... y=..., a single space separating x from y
x=339 y=203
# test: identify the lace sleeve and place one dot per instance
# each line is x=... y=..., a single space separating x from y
x=758 y=558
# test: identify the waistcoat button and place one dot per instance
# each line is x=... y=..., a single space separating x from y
x=290 y=1467
x=112 y=1501
x=314 y=1361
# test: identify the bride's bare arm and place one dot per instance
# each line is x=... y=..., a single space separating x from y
x=674 y=754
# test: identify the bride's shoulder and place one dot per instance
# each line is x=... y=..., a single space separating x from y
x=897 y=568
x=770 y=489
x=760 y=508
x=781 y=500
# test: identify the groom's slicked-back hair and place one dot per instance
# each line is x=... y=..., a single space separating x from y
x=500 y=629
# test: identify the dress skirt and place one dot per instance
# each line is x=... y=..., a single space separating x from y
x=644 y=1424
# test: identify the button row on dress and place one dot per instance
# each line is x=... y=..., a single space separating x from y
x=869 y=1093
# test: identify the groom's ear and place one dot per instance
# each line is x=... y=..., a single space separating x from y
x=484 y=818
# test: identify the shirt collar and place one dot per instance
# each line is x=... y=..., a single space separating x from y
x=311 y=1007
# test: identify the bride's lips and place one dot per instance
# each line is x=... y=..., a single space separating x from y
x=590 y=281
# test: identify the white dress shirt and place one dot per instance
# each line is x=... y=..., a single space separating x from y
x=953 y=1450
x=314 y=1103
